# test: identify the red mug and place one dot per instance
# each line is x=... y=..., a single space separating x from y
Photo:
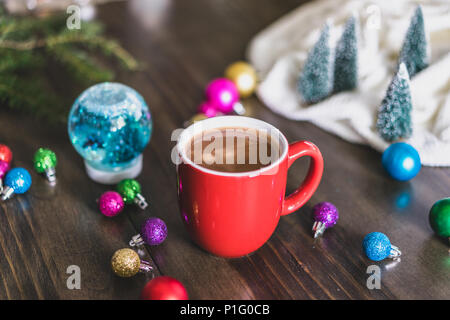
x=234 y=214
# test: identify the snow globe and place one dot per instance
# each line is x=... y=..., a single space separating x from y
x=109 y=126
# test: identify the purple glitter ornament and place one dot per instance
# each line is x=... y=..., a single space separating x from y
x=325 y=215
x=153 y=233
x=110 y=203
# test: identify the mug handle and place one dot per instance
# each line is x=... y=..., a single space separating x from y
x=298 y=198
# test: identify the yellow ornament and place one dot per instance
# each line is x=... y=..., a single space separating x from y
x=126 y=263
x=198 y=117
x=244 y=76
x=195 y=118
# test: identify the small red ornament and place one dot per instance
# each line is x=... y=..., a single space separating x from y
x=164 y=288
x=5 y=153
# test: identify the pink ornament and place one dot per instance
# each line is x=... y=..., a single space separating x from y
x=222 y=93
x=4 y=167
x=110 y=203
x=207 y=109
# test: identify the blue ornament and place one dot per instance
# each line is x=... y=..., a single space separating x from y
x=401 y=161
x=377 y=247
x=17 y=180
x=110 y=125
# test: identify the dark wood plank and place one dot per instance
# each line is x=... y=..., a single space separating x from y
x=184 y=44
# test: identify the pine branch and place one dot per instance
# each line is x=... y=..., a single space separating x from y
x=80 y=65
x=30 y=46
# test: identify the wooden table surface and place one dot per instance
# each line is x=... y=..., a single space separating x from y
x=185 y=44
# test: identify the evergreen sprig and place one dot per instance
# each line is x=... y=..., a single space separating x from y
x=40 y=55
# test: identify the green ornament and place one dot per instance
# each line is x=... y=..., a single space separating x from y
x=45 y=162
x=130 y=190
x=440 y=217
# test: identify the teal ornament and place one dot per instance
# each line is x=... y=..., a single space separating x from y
x=401 y=161
x=377 y=247
x=17 y=181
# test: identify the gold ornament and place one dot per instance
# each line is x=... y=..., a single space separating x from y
x=195 y=118
x=198 y=117
x=244 y=76
x=125 y=263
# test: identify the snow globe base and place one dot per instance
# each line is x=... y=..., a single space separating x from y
x=108 y=177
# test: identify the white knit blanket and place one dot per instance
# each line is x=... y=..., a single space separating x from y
x=279 y=52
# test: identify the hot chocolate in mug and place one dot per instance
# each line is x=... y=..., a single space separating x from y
x=232 y=214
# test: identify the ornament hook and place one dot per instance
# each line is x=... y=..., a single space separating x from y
x=145 y=267
x=140 y=201
x=318 y=228
x=50 y=173
x=395 y=253
x=7 y=192
x=136 y=241
x=238 y=108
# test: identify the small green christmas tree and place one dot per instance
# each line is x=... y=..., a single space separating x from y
x=394 y=116
x=315 y=82
x=414 y=51
x=346 y=58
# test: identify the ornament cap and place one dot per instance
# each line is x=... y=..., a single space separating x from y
x=145 y=267
x=318 y=228
x=7 y=193
x=395 y=253
x=140 y=201
x=50 y=173
x=238 y=108
x=136 y=241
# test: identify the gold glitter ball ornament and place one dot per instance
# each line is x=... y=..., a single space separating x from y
x=125 y=263
x=195 y=118
x=198 y=117
x=244 y=77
